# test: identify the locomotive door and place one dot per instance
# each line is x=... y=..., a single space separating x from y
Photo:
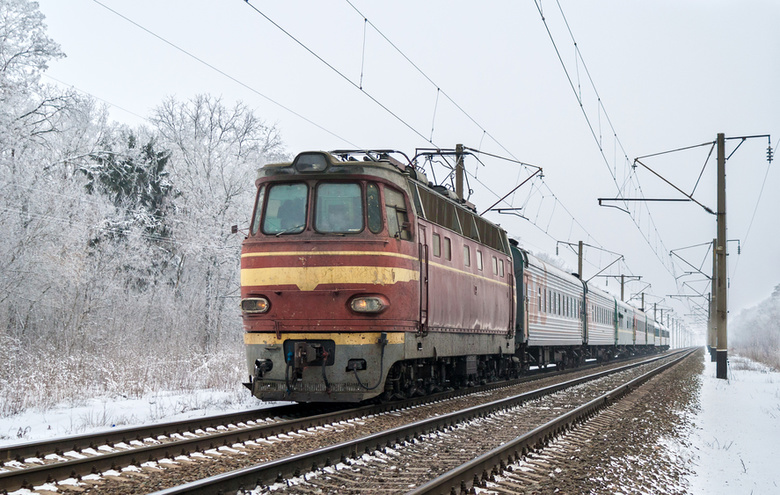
x=526 y=305
x=513 y=294
x=424 y=299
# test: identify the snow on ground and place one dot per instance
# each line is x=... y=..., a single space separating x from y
x=736 y=442
x=734 y=447
x=105 y=413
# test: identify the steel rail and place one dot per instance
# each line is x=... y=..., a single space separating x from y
x=40 y=448
x=19 y=452
x=464 y=477
x=28 y=477
x=278 y=470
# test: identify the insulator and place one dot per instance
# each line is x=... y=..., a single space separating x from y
x=769 y=153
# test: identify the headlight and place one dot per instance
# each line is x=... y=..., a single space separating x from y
x=255 y=305
x=369 y=304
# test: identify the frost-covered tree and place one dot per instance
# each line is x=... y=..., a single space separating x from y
x=216 y=150
x=27 y=109
x=35 y=122
x=755 y=332
x=25 y=50
x=135 y=178
x=116 y=247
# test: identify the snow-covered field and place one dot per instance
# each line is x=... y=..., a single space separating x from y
x=734 y=447
x=736 y=443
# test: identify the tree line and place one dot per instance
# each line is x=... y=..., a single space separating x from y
x=118 y=271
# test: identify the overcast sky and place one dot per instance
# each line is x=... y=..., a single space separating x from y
x=669 y=74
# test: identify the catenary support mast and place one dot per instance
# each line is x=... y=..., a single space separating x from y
x=722 y=307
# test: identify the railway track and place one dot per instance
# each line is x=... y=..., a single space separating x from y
x=439 y=448
x=78 y=456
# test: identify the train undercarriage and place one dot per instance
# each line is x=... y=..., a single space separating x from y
x=418 y=377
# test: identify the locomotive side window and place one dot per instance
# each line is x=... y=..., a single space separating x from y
x=339 y=208
x=437 y=245
x=466 y=256
x=479 y=260
x=373 y=208
x=468 y=225
x=438 y=210
x=490 y=234
x=447 y=248
x=397 y=218
x=285 y=212
x=258 y=210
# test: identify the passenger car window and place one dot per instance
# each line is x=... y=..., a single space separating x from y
x=339 y=208
x=285 y=211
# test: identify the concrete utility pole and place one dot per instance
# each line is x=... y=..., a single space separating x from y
x=622 y=285
x=722 y=307
x=579 y=260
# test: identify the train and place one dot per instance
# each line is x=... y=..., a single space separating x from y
x=361 y=280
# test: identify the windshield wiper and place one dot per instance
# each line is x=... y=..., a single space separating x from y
x=291 y=229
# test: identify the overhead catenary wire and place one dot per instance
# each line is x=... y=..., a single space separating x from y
x=630 y=177
x=359 y=86
x=366 y=22
x=438 y=88
x=596 y=136
x=79 y=90
x=341 y=74
x=225 y=74
x=755 y=210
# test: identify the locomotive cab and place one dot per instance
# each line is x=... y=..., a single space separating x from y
x=327 y=275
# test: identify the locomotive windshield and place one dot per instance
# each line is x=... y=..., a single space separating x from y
x=339 y=208
x=285 y=212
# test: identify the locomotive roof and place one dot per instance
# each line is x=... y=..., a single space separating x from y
x=323 y=162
